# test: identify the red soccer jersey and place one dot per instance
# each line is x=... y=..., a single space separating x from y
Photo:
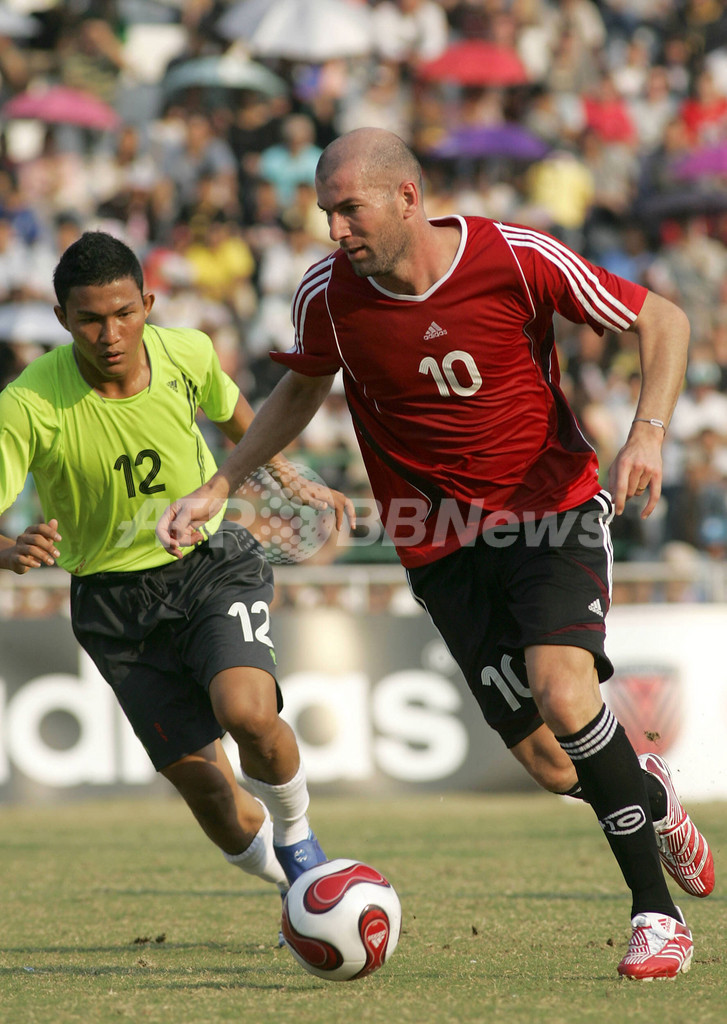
x=455 y=393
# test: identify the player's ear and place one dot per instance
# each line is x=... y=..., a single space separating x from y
x=148 y=303
x=61 y=317
x=410 y=197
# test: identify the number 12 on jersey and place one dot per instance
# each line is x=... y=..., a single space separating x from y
x=123 y=464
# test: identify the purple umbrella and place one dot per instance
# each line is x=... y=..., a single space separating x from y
x=502 y=141
x=703 y=163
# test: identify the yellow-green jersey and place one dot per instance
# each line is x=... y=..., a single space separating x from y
x=107 y=468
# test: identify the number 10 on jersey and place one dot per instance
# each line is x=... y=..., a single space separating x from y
x=445 y=378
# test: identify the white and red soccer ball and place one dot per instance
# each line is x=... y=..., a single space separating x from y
x=341 y=920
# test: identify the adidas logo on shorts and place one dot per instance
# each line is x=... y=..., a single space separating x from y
x=595 y=606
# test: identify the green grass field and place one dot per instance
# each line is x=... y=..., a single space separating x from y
x=513 y=911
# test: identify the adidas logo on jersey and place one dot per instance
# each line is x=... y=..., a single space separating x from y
x=173 y=385
x=434 y=331
x=595 y=606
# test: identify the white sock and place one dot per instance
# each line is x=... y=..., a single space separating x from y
x=288 y=805
x=259 y=858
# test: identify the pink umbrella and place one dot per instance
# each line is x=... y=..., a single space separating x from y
x=60 y=105
x=475 y=62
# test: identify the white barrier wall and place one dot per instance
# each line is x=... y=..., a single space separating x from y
x=671 y=680
x=376 y=701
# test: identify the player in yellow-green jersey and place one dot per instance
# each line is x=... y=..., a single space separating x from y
x=107 y=427
x=104 y=464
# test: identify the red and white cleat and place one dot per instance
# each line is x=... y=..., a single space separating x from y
x=660 y=947
x=684 y=851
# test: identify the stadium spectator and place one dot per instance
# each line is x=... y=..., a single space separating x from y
x=614 y=171
x=571 y=70
x=606 y=112
x=409 y=31
x=56 y=176
x=222 y=262
x=382 y=99
x=584 y=19
x=693 y=266
x=537 y=33
x=14 y=260
x=494 y=433
x=702 y=24
x=659 y=192
x=121 y=163
x=89 y=51
x=45 y=253
x=705 y=112
x=560 y=191
x=199 y=156
x=281 y=266
x=675 y=58
x=651 y=109
x=292 y=162
x=14 y=67
x=702 y=406
x=255 y=127
x=631 y=73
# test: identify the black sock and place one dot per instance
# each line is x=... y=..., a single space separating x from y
x=575 y=791
x=654 y=789
x=613 y=784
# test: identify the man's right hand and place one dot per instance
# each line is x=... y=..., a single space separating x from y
x=179 y=526
x=34 y=547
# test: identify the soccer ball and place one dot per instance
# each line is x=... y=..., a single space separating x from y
x=341 y=920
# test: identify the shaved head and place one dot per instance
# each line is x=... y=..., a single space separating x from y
x=369 y=185
x=382 y=159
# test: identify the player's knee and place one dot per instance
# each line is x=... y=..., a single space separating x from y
x=565 y=687
x=255 y=727
x=565 y=702
x=246 y=707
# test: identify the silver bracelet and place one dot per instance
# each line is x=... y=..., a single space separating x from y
x=653 y=422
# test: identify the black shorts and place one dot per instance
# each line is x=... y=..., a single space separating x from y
x=159 y=636
x=547 y=582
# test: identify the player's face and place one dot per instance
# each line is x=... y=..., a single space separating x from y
x=366 y=223
x=106 y=323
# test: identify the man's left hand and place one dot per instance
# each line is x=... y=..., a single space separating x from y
x=636 y=469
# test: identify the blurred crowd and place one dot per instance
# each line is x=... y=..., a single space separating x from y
x=191 y=129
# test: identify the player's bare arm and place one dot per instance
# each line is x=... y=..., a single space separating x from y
x=279 y=421
x=663 y=331
x=35 y=547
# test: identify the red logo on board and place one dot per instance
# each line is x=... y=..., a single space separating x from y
x=647 y=701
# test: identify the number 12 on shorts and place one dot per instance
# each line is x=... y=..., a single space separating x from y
x=251 y=632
